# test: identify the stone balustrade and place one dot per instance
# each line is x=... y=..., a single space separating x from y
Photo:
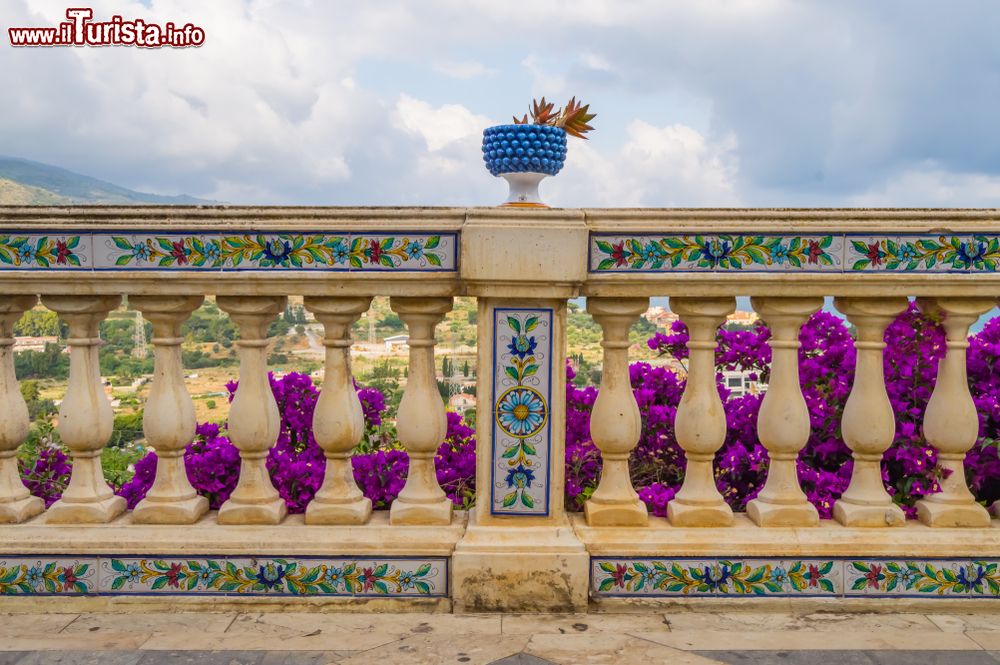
x=518 y=548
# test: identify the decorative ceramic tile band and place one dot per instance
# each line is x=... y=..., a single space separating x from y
x=715 y=577
x=522 y=392
x=830 y=252
x=290 y=576
x=905 y=253
x=45 y=576
x=713 y=252
x=830 y=577
x=45 y=252
x=906 y=577
x=138 y=250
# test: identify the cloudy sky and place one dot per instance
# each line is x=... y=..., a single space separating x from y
x=707 y=103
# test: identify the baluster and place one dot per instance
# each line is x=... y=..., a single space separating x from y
x=615 y=422
x=86 y=420
x=16 y=502
x=951 y=424
x=421 y=422
x=783 y=421
x=700 y=424
x=254 y=421
x=338 y=422
x=868 y=425
x=168 y=420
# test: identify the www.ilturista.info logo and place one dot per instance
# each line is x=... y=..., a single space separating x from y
x=80 y=30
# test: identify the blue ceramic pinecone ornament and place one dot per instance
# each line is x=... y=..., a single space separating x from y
x=524 y=149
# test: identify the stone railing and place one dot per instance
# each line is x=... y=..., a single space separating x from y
x=518 y=548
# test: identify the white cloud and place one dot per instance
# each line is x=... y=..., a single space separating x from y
x=596 y=61
x=298 y=101
x=437 y=126
x=657 y=166
x=928 y=185
x=464 y=69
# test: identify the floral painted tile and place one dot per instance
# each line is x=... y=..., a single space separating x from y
x=426 y=576
x=975 y=578
x=522 y=392
x=157 y=252
x=45 y=575
x=338 y=576
x=45 y=251
x=159 y=574
x=716 y=252
x=923 y=253
x=285 y=251
x=404 y=251
x=715 y=577
x=340 y=252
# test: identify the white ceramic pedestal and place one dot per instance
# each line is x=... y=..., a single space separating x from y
x=523 y=190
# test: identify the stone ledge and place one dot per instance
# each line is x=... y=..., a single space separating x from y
x=206 y=537
x=746 y=539
x=174 y=603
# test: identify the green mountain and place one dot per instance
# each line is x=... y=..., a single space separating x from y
x=23 y=182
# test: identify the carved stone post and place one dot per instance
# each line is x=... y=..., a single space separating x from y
x=520 y=551
x=950 y=423
x=421 y=422
x=869 y=425
x=16 y=503
x=254 y=421
x=700 y=425
x=615 y=423
x=86 y=420
x=783 y=422
x=338 y=422
x=168 y=420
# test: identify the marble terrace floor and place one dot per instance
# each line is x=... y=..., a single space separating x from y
x=674 y=638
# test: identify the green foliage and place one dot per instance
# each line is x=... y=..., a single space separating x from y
x=209 y=324
x=391 y=322
x=39 y=323
x=29 y=390
x=127 y=429
x=118 y=462
x=51 y=363
x=197 y=359
x=279 y=328
x=294 y=314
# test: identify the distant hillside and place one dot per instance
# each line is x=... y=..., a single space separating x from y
x=23 y=182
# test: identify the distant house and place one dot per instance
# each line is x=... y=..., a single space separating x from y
x=396 y=343
x=742 y=318
x=462 y=402
x=740 y=383
x=660 y=317
x=33 y=343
